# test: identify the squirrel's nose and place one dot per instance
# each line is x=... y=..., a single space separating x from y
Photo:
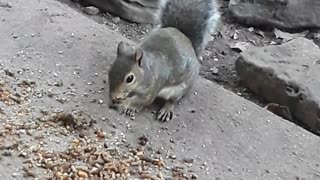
x=116 y=99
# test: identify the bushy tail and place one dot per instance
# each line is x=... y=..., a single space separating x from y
x=194 y=18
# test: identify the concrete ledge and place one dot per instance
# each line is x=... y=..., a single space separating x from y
x=227 y=136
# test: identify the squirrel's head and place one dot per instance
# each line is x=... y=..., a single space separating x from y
x=126 y=73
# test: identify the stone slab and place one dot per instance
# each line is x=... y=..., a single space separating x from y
x=287 y=74
x=138 y=11
x=291 y=15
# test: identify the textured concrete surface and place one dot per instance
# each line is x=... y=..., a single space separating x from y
x=227 y=136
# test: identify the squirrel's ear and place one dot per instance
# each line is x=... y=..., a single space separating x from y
x=121 y=47
x=138 y=56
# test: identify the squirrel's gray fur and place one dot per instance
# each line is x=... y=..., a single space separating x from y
x=164 y=64
x=196 y=19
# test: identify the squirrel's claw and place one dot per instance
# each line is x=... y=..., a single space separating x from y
x=165 y=113
x=128 y=112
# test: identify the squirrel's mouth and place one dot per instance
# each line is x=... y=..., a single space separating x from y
x=115 y=105
x=112 y=104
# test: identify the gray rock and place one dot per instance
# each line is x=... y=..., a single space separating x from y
x=283 y=14
x=239 y=46
x=116 y=20
x=5 y=4
x=288 y=36
x=287 y=74
x=138 y=11
x=214 y=70
x=91 y=10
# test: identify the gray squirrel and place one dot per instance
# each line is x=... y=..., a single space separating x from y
x=166 y=63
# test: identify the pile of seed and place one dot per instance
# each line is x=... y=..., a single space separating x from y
x=10 y=98
x=87 y=156
x=89 y=160
x=86 y=152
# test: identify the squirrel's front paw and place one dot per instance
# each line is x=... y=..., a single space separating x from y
x=128 y=111
x=166 y=112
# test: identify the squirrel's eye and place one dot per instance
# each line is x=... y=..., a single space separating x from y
x=130 y=79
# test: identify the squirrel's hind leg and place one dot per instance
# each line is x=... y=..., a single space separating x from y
x=172 y=95
x=166 y=112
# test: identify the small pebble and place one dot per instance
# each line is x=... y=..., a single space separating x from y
x=23 y=154
x=82 y=134
x=116 y=20
x=103 y=119
x=214 y=70
x=114 y=125
x=91 y=10
x=6 y=153
x=101 y=134
x=105 y=145
x=143 y=140
x=194 y=176
x=235 y=36
x=14 y=175
x=172 y=156
x=188 y=160
x=316 y=35
x=5 y=4
x=9 y=73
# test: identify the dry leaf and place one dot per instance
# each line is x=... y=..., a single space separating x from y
x=282 y=111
